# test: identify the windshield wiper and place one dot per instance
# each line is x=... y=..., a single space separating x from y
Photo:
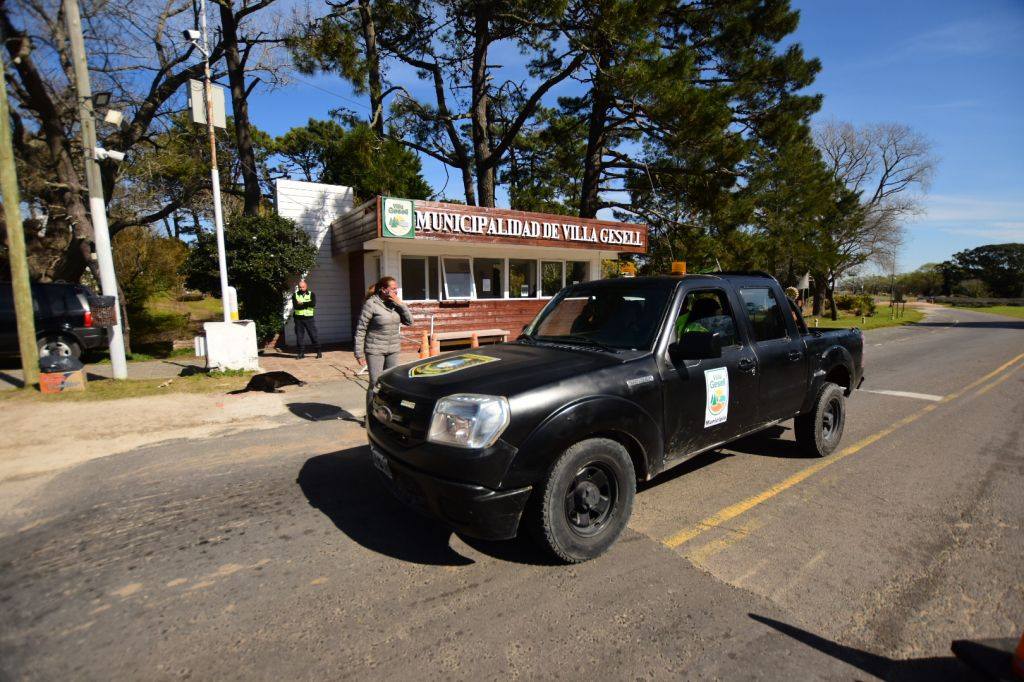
x=572 y=339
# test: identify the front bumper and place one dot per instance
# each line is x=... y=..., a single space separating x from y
x=472 y=510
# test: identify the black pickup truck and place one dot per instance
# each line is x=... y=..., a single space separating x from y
x=614 y=382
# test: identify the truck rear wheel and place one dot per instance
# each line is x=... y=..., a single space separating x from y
x=586 y=500
x=819 y=431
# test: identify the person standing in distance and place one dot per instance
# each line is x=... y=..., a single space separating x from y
x=378 y=333
x=303 y=312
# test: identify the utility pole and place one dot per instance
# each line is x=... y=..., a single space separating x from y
x=97 y=207
x=22 y=289
x=218 y=215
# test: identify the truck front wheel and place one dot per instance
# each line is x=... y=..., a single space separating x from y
x=586 y=500
x=819 y=431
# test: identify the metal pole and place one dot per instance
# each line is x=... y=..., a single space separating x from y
x=218 y=217
x=21 y=288
x=97 y=208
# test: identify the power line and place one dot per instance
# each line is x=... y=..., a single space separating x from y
x=332 y=93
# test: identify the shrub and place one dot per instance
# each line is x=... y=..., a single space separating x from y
x=264 y=254
x=862 y=305
x=972 y=288
x=147 y=264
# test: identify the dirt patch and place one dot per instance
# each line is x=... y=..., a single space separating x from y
x=40 y=439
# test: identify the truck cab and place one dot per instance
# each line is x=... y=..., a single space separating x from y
x=612 y=383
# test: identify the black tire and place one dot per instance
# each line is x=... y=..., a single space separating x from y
x=819 y=431
x=60 y=344
x=585 y=501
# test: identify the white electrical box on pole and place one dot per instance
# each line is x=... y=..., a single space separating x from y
x=97 y=206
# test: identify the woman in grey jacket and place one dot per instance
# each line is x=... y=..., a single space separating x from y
x=378 y=335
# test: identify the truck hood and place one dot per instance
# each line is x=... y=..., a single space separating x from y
x=502 y=369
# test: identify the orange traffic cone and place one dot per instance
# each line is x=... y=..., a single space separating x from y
x=474 y=341
x=435 y=347
x=424 y=346
x=1018 y=659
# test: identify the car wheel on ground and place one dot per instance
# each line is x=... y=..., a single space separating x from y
x=586 y=500
x=56 y=344
x=819 y=431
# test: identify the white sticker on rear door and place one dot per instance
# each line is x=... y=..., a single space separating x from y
x=716 y=408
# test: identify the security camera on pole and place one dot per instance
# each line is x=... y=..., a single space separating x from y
x=97 y=206
x=227 y=344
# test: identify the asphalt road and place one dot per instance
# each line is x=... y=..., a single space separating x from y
x=278 y=555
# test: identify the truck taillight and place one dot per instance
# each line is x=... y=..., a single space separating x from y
x=88 y=318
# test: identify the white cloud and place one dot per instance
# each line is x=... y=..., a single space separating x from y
x=1003 y=234
x=952 y=208
x=973 y=36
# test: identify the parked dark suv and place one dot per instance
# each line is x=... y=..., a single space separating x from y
x=64 y=323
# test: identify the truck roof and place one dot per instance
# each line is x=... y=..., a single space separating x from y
x=672 y=280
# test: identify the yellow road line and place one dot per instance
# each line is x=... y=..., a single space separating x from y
x=732 y=511
x=986 y=389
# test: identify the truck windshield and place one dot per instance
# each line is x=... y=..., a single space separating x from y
x=615 y=317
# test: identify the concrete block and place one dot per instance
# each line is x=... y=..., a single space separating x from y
x=231 y=345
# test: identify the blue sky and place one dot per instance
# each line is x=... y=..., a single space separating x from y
x=953 y=71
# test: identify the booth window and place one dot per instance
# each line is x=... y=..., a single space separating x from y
x=488 y=275
x=432 y=278
x=419 y=278
x=522 y=278
x=458 y=280
x=550 y=278
x=575 y=272
x=414 y=278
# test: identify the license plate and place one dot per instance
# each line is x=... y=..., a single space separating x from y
x=381 y=462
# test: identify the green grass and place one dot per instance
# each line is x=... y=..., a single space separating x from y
x=108 y=389
x=162 y=321
x=198 y=311
x=877 y=321
x=1008 y=310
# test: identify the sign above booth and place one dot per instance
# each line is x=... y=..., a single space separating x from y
x=402 y=218
x=398 y=218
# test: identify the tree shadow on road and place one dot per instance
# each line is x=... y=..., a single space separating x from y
x=995 y=324
x=345 y=486
x=882 y=667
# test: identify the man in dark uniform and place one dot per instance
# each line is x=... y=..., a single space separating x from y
x=304 y=309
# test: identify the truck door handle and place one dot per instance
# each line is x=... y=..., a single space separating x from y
x=746 y=365
x=794 y=355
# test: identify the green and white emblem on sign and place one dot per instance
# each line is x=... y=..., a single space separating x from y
x=448 y=365
x=398 y=218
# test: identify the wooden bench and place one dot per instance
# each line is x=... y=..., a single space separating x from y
x=491 y=336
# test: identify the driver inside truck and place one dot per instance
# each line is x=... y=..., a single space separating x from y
x=695 y=312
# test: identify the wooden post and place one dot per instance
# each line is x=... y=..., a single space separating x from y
x=20 y=285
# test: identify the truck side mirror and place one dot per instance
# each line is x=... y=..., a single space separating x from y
x=696 y=346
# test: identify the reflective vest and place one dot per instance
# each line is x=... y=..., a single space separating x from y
x=304 y=298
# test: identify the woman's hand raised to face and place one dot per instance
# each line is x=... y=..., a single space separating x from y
x=391 y=293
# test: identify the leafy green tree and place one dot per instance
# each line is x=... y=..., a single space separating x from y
x=1000 y=267
x=265 y=253
x=323 y=151
x=471 y=111
x=305 y=150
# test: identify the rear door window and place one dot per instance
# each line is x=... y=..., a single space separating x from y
x=764 y=313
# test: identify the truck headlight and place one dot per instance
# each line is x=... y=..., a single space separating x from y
x=469 y=420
